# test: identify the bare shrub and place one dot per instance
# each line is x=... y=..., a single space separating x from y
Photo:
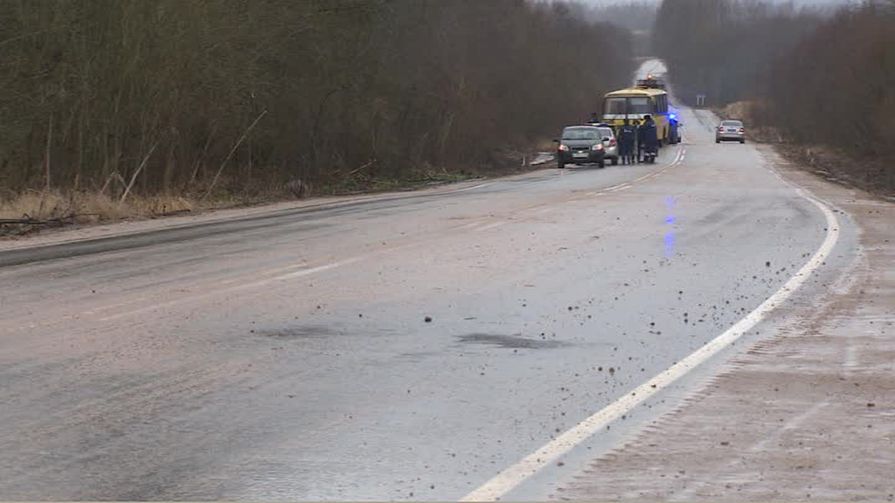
x=233 y=97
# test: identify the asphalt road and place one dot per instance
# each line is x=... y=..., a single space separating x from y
x=404 y=348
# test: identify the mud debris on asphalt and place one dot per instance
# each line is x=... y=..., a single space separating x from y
x=804 y=414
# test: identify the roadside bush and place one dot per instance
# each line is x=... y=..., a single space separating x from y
x=243 y=96
x=837 y=86
x=834 y=90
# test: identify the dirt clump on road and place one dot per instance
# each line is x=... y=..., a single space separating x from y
x=805 y=413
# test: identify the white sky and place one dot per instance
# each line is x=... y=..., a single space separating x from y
x=799 y=2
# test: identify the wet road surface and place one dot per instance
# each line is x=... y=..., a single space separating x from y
x=805 y=413
x=403 y=348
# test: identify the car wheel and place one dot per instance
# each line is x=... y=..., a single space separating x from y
x=615 y=161
x=742 y=142
x=717 y=140
x=602 y=164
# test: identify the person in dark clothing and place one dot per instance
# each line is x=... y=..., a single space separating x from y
x=647 y=138
x=627 y=137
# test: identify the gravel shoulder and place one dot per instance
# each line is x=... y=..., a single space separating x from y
x=806 y=413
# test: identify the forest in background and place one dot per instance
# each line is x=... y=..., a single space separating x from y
x=228 y=98
x=822 y=82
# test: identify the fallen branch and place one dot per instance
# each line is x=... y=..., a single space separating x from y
x=127 y=189
x=232 y=151
x=365 y=166
x=26 y=220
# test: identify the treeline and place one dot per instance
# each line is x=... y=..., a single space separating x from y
x=636 y=16
x=837 y=86
x=822 y=80
x=724 y=49
x=633 y=15
x=189 y=96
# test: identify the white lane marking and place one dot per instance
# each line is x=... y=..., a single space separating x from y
x=471 y=225
x=253 y=284
x=490 y=226
x=512 y=476
x=851 y=358
x=312 y=270
x=678 y=159
x=623 y=186
x=479 y=186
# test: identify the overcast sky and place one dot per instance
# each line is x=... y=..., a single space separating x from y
x=800 y=2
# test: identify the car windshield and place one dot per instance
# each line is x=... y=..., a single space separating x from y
x=635 y=105
x=732 y=124
x=579 y=134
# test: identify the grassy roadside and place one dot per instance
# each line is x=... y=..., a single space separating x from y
x=35 y=210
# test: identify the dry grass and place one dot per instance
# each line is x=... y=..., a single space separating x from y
x=89 y=207
x=871 y=174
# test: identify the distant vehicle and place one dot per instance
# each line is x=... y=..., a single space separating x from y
x=580 y=145
x=648 y=97
x=674 y=129
x=730 y=130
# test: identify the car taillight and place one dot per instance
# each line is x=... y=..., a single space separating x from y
x=598 y=146
x=742 y=130
x=563 y=148
x=720 y=128
x=612 y=142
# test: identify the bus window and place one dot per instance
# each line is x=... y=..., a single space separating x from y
x=639 y=106
x=615 y=106
x=635 y=105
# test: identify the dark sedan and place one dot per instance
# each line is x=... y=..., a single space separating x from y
x=580 y=145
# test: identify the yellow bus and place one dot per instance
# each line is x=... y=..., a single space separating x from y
x=648 y=97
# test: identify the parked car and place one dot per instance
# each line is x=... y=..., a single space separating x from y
x=674 y=129
x=610 y=143
x=730 y=130
x=580 y=145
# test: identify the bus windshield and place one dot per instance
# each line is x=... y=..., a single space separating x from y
x=635 y=105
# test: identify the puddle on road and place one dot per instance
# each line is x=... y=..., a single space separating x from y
x=511 y=341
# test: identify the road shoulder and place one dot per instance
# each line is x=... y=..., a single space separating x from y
x=805 y=413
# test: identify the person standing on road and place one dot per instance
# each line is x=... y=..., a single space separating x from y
x=647 y=137
x=627 y=137
x=640 y=130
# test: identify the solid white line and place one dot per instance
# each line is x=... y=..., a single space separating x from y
x=479 y=186
x=253 y=284
x=490 y=226
x=514 y=475
x=618 y=188
x=305 y=272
